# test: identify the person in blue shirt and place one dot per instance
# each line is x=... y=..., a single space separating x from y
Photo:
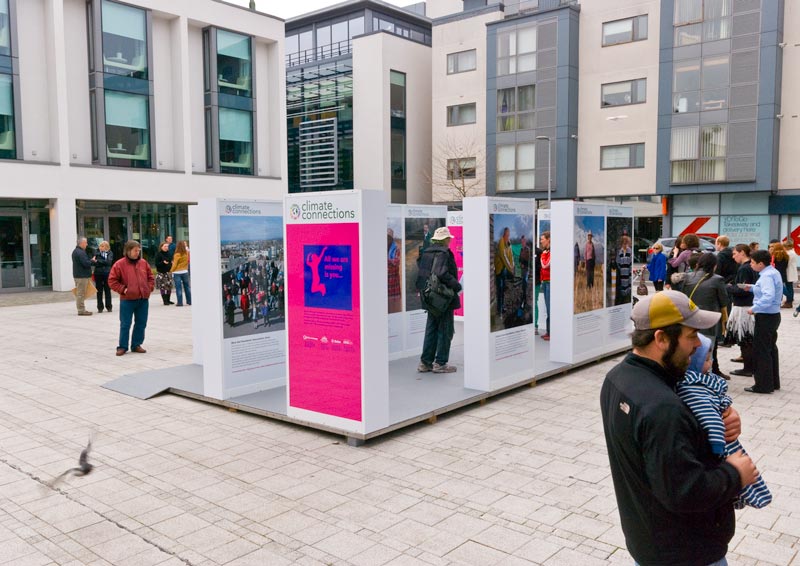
x=657 y=266
x=767 y=297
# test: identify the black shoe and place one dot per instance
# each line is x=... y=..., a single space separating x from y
x=109 y=309
x=723 y=376
x=742 y=373
x=754 y=390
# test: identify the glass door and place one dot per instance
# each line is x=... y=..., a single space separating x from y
x=94 y=231
x=118 y=234
x=13 y=258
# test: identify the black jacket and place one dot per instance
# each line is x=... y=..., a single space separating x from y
x=740 y=297
x=708 y=293
x=102 y=265
x=675 y=496
x=726 y=265
x=537 y=266
x=446 y=270
x=81 y=264
x=163 y=261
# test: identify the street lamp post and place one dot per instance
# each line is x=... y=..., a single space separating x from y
x=549 y=165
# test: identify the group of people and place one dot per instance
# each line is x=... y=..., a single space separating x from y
x=131 y=278
x=255 y=288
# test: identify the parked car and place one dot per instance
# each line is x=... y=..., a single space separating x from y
x=706 y=245
x=641 y=249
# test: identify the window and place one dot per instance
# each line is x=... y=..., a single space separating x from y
x=701 y=20
x=7 y=138
x=697 y=154
x=462 y=168
x=516 y=166
x=127 y=129
x=516 y=51
x=515 y=108
x=625 y=31
x=461 y=114
x=356 y=27
x=233 y=63
x=235 y=141
x=124 y=40
x=461 y=62
x=5 y=29
x=626 y=92
x=397 y=149
x=701 y=84
x=629 y=156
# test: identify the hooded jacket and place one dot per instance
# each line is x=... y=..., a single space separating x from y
x=675 y=497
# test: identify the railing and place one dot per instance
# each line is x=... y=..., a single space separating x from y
x=528 y=6
x=325 y=52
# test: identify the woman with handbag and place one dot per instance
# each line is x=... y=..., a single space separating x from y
x=657 y=266
x=163 y=275
x=708 y=292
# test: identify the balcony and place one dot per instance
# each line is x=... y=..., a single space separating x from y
x=325 y=52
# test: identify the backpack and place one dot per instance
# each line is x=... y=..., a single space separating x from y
x=436 y=297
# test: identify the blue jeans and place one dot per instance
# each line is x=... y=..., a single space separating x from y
x=721 y=562
x=136 y=309
x=438 y=335
x=546 y=291
x=788 y=290
x=181 y=286
x=536 y=290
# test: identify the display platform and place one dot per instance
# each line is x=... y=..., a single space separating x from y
x=413 y=397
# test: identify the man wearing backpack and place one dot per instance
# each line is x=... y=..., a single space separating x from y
x=437 y=259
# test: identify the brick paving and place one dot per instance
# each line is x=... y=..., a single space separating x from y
x=523 y=479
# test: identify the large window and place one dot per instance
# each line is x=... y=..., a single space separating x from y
x=701 y=20
x=516 y=50
x=515 y=108
x=625 y=31
x=5 y=29
x=622 y=93
x=516 y=167
x=8 y=148
x=628 y=156
x=124 y=40
x=397 y=84
x=127 y=129
x=701 y=84
x=461 y=114
x=235 y=141
x=461 y=62
x=461 y=168
x=697 y=154
x=233 y=63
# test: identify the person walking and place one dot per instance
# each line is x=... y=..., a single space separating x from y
x=163 y=275
x=657 y=266
x=82 y=273
x=767 y=294
x=675 y=496
x=503 y=268
x=741 y=324
x=791 y=274
x=180 y=273
x=132 y=278
x=103 y=260
x=544 y=242
x=439 y=260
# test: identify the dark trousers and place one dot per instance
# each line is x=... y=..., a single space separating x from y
x=788 y=290
x=103 y=291
x=765 y=350
x=136 y=310
x=746 y=346
x=438 y=335
x=500 y=285
x=590 y=273
x=659 y=285
x=546 y=291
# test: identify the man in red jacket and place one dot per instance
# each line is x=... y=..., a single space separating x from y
x=132 y=278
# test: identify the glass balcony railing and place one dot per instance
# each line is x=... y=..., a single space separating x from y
x=324 y=52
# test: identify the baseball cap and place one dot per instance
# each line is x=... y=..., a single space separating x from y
x=442 y=234
x=671 y=307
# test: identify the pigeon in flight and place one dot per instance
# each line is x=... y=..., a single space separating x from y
x=84 y=467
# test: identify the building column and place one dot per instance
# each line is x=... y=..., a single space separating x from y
x=63 y=237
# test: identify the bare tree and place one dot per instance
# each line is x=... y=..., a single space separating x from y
x=456 y=171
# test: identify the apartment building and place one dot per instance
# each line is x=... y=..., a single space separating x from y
x=114 y=116
x=360 y=66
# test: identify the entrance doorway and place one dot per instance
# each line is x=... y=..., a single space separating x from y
x=14 y=257
x=115 y=229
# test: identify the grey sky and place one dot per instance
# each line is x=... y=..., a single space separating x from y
x=290 y=8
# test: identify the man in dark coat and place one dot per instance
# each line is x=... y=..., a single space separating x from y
x=675 y=497
x=82 y=273
x=438 y=259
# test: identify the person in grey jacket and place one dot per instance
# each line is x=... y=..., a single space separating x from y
x=82 y=273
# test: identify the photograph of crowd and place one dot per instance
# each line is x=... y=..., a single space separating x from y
x=394 y=260
x=419 y=232
x=511 y=281
x=619 y=263
x=252 y=262
x=588 y=258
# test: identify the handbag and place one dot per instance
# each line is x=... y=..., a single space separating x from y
x=642 y=289
x=436 y=296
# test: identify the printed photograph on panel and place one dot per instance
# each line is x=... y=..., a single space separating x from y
x=419 y=232
x=251 y=262
x=588 y=253
x=619 y=260
x=394 y=261
x=511 y=281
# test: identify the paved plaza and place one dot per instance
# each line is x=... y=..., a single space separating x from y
x=523 y=479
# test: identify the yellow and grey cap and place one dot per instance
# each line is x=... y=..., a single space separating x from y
x=671 y=307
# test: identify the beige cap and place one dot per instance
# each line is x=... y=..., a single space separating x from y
x=441 y=234
x=666 y=308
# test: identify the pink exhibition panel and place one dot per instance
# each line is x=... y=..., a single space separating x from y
x=457 y=245
x=324 y=314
